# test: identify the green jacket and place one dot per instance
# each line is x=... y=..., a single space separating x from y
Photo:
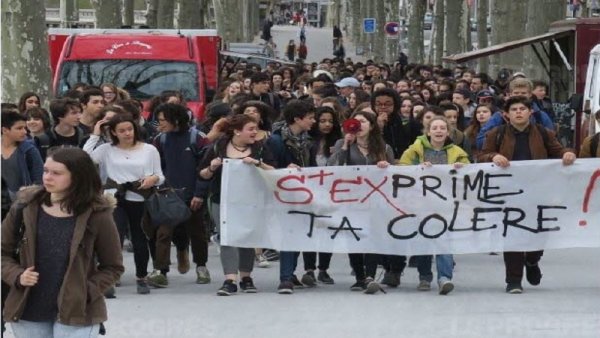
x=416 y=152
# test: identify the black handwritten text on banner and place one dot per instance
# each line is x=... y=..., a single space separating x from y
x=411 y=210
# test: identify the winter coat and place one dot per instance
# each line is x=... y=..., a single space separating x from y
x=415 y=154
x=95 y=261
x=539 y=147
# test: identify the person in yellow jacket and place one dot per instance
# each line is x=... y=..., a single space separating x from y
x=435 y=147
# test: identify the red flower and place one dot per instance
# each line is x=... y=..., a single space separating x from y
x=351 y=126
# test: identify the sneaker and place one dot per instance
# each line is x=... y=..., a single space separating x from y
x=118 y=282
x=285 y=288
x=183 y=261
x=142 y=286
x=296 y=282
x=533 y=273
x=158 y=280
x=372 y=286
x=262 y=262
x=514 y=288
x=202 y=275
x=446 y=287
x=271 y=255
x=391 y=279
x=309 y=279
x=424 y=285
x=247 y=285
x=110 y=293
x=324 y=278
x=127 y=245
x=228 y=288
x=358 y=286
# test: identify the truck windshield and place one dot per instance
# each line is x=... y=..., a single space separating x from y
x=143 y=79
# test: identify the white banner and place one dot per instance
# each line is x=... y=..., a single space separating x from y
x=410 y=210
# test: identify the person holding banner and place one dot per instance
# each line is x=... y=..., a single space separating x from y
x=291 y=146
x=325 y=133
x=520 y=140
x=435 y=147
x=363 y=144
x=400 y=129
x=239 y=142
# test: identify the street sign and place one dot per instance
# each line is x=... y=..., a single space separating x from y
x=369 y=25
x=392 y=28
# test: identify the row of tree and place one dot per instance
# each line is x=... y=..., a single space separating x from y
x=451 y=27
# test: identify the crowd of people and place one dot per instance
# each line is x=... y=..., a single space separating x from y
x=97 y=140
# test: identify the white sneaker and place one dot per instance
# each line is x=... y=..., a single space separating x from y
x=262 y=262
x=445 y=287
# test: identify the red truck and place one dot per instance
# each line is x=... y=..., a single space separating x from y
x=144 y=62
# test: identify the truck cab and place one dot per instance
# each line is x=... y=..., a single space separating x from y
x=143 y=62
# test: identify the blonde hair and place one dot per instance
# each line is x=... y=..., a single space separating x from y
x=520 y=83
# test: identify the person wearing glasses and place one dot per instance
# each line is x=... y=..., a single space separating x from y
x=400 y=130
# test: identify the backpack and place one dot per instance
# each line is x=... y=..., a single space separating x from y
x=502 y=128
x=197 y=150
x=44 y=141
x=594 y=145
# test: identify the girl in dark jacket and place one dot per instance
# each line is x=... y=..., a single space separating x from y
x=69 y=253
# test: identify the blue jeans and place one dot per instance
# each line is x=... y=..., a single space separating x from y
x=288 y=260
x=27 y=329
x=443 y=263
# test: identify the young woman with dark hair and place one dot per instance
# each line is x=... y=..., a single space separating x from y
x=239 y=142
x=366 y=147
x=132 y=167
x=72 y=255
x=28 y=100
x=325 y=132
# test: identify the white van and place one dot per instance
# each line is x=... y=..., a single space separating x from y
x=591 y=95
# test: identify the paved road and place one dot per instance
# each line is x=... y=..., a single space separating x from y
x=319 y=42
x=566 y=304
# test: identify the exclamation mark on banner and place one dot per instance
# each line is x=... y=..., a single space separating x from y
x=588 y=193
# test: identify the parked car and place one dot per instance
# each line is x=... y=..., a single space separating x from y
x=427 y=22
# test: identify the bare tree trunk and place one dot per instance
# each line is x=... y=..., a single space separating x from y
x=355 y=22
x=228 y=21
x=69 y=13
x=517 y=19
x=438 y=33
x=151 y=12
x=392 y=12
x=465 y=28
x=499 y=21
x=192 y=14
x=379 y=38
x=536 y=25
x=24 y=49
x=453 y=13
x=415 y=31
x=105 y=13
x=482 y=34
x=128 y=13
x=165 y=13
